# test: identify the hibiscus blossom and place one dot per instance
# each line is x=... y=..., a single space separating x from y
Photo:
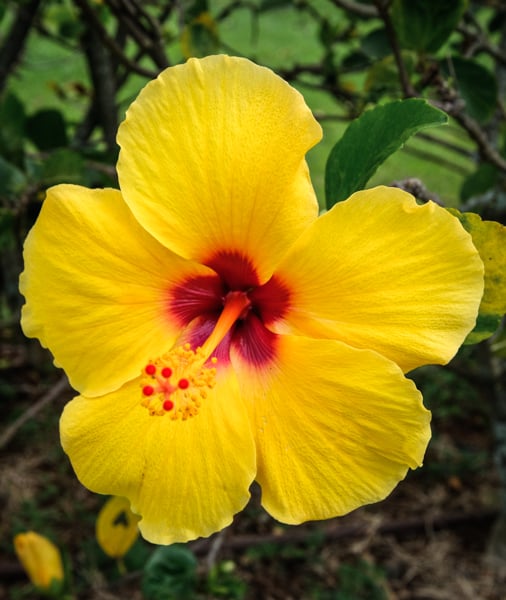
x=220 y=332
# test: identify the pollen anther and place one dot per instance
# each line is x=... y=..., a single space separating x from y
x=176 y=383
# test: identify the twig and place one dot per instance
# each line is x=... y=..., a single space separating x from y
x=15 y=42
x=384 y=15
x=341 y=531
x=361 y=10
x=477 y=134
x=111 y=44
x=150 y=41
x=52 y=394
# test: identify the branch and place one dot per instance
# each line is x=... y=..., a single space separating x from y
x=361 y=10
x=383 y=13
x=115 y=49
x=104 y=87
x=16 y=39
x=131 y=16
x=52 y=394
x=476 y=133
x=358 y=529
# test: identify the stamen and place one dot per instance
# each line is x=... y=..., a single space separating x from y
x=150 y=369
x=176 y=383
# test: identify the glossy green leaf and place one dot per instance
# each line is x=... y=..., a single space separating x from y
x=170 y=574
x=370 y=140
x=481 y=181
x=477 y=86
x=47 y=129
x=425 y=25
x=489 y=238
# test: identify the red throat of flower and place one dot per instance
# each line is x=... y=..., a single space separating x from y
x=177 y=382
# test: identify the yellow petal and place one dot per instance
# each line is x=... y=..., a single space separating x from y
x=116 y=528
x=184 y=478
x=97 y=288
x=336 y=428
x=212 y=161
x=41 y=560
x=379 y=271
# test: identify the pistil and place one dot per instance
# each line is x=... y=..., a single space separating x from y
x=177 y=382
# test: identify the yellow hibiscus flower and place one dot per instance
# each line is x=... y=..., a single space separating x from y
x=220 y=332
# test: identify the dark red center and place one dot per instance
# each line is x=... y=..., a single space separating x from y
x=198 y=301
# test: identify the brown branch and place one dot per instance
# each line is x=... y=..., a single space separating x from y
x=104 y=86
x=361 y=10
x=115 y=49
x=340 y=530
x=52 y=394
x=148 y=38
x=14 y=44
x=384 y=15
x=476 y=133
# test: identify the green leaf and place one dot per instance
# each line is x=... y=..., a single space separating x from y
x=170 y=574
x=47 y=130
x=200 y=37
x=383 y=76
x=63 y=166
x=425 y=25
x=477 y=86
x=489 y=238
x=376 y=44
x=12 y=180
x=481 y=181
x=12 y=130
x=370 y=140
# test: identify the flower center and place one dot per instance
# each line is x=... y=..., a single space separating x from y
x=177 y=382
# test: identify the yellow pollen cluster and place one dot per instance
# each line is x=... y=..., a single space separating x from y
x=176 y=383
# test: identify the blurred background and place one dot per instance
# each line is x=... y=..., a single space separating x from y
x=68 y=71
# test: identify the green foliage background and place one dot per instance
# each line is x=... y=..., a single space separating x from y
x=391 y=69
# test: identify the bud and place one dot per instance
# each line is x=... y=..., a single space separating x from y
x=116 y=528
x=41 y=560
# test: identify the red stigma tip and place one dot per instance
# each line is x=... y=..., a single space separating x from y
x=148 y=390
x=166 y=372
x=183 y=384
x=150 y=369
x=168 y=405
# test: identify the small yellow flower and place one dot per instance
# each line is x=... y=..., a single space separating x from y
x=116 y=528
x=220 y=332
x=41 y=560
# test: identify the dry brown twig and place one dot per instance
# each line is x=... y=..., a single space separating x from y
x=51 y=395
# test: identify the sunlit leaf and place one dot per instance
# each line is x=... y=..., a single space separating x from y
x=489 y=238
x=425 y=25
x=370 y=140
